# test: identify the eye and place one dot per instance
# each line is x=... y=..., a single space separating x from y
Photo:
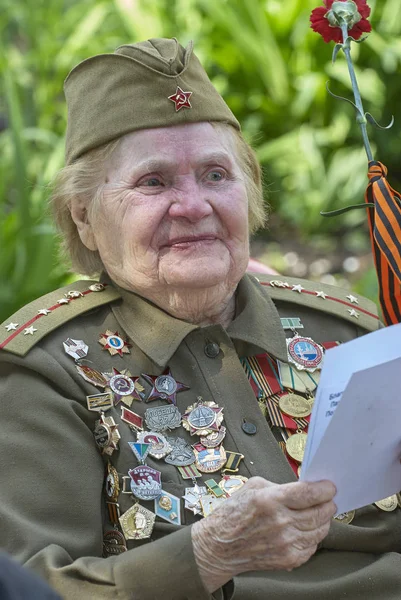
x=215 y=175
x=151 y=182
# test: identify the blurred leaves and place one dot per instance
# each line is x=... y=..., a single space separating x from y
x=272 y=71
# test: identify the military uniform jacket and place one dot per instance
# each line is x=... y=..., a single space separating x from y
x=52 y=501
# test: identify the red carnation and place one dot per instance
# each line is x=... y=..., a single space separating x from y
x=331 y=33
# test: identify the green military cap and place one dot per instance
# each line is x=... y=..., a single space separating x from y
x=156 y=83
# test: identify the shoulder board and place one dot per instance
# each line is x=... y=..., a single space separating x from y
x=323 y=297
x=38 y=318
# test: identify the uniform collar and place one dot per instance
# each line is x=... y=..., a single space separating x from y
x=255 y=328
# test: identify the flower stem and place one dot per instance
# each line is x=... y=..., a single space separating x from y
x=357 y=95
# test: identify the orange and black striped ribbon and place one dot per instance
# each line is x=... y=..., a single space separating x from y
x=385 y=236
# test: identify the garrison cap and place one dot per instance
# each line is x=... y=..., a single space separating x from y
x=156 y=83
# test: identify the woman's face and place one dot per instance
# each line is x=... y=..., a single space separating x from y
x=174 y=210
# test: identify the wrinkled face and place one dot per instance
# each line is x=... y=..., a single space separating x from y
x=174 y=211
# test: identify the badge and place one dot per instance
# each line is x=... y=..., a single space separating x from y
x=304 y=353
x=163 y=418
x=113 y=510
x=300 y=381
x=202 y=418
x=100 y=402
x=92 y=375
x=291 y=323
x=388 y=504
x=209 y=503
x=189 y=472
x=295 y=446
x=140 y=450
x=295 y=405
x=164 y=386
x=232 y=483
x=75 y=348
x=233 y=460
x=113 y=543
x=106 y=435
x=124 y=387
x=112 y=483
x=181 y=454
x=346 y=517
x=132 y=419
x=114 y=343
x=97 y=287
x=168 y=507
x=214 y=488
x=137 y=523
x=214 y=439
x=181 y=99
x=210 y=460
x=145 y=482
x=192 y=498
x=159 y=446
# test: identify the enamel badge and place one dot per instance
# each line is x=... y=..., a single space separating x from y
x=124 y=387
x=181 y=99
x=145 y=482
x=163 y=418
x=114 y=343
x=202 y=418
x=106 y=435
x=168 y=507
x=100 y=402
x=137 y=523
x=164 y=386
x=159 y=446
x=304 y=353
x=92 y=375
x=210 y=460
x=75 y=348
x=181 y=454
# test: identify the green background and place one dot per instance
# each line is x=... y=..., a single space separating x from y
x=271 y=69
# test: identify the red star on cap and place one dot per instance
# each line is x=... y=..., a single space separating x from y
x=181 y=99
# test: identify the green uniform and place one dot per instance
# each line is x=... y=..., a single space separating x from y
x=52 y=498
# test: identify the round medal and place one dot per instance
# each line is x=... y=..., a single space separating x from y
x=210 y=460
x=201 y=417
x=145 y=482
x=295 y=446
x=112 y=484
x=166 y=385
x=159 y=446
x=294 y=405
x=122 y=385
x=113 y=543
x=304 y=353
x=232 y=483
x=388 y=504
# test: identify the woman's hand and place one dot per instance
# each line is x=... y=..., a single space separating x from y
x=264 y=526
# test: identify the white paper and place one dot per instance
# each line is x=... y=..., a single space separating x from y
x=358 y=446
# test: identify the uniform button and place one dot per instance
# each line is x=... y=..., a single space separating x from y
x=212 y=350
x=249 y=428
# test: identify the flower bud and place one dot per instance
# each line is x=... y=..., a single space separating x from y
x=343 y=13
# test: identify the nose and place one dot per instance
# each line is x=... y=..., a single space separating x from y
x=190 y=202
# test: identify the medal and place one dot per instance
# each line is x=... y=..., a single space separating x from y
x=214 y=488
x=181 y=454
x=214 y=439
x=137 y=523
x=159 y=446
x=202 y=418
x=75 y=348
x=92 y=375
x=189 y=472
x=192 y=498
x=346 y=517
x=145 y=482
x=168 y=507
x=106 y=435
x=140 y=450
x=294 y=405
x=164 y=386
x=113 y=543
x=209 y=503
x=295 y=446
x=134 y=421
x=210 y=460
x=163 y=418
x=112 y=483
x=233 y=460
x=300 y=381
x=114 y=343
x=123 y=387
x=388 y=504
x=304 y=353
x=100 y=402
x=232 y=483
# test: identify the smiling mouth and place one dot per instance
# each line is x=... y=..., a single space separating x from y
x=185 y=242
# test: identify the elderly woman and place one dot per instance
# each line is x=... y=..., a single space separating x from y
x=153 y=422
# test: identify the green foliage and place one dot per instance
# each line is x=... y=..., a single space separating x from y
x=261 y=55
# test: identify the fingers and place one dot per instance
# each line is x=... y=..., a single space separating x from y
x=303 y=494
x=313 y=518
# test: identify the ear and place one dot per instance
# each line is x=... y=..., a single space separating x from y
x=79 y=215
